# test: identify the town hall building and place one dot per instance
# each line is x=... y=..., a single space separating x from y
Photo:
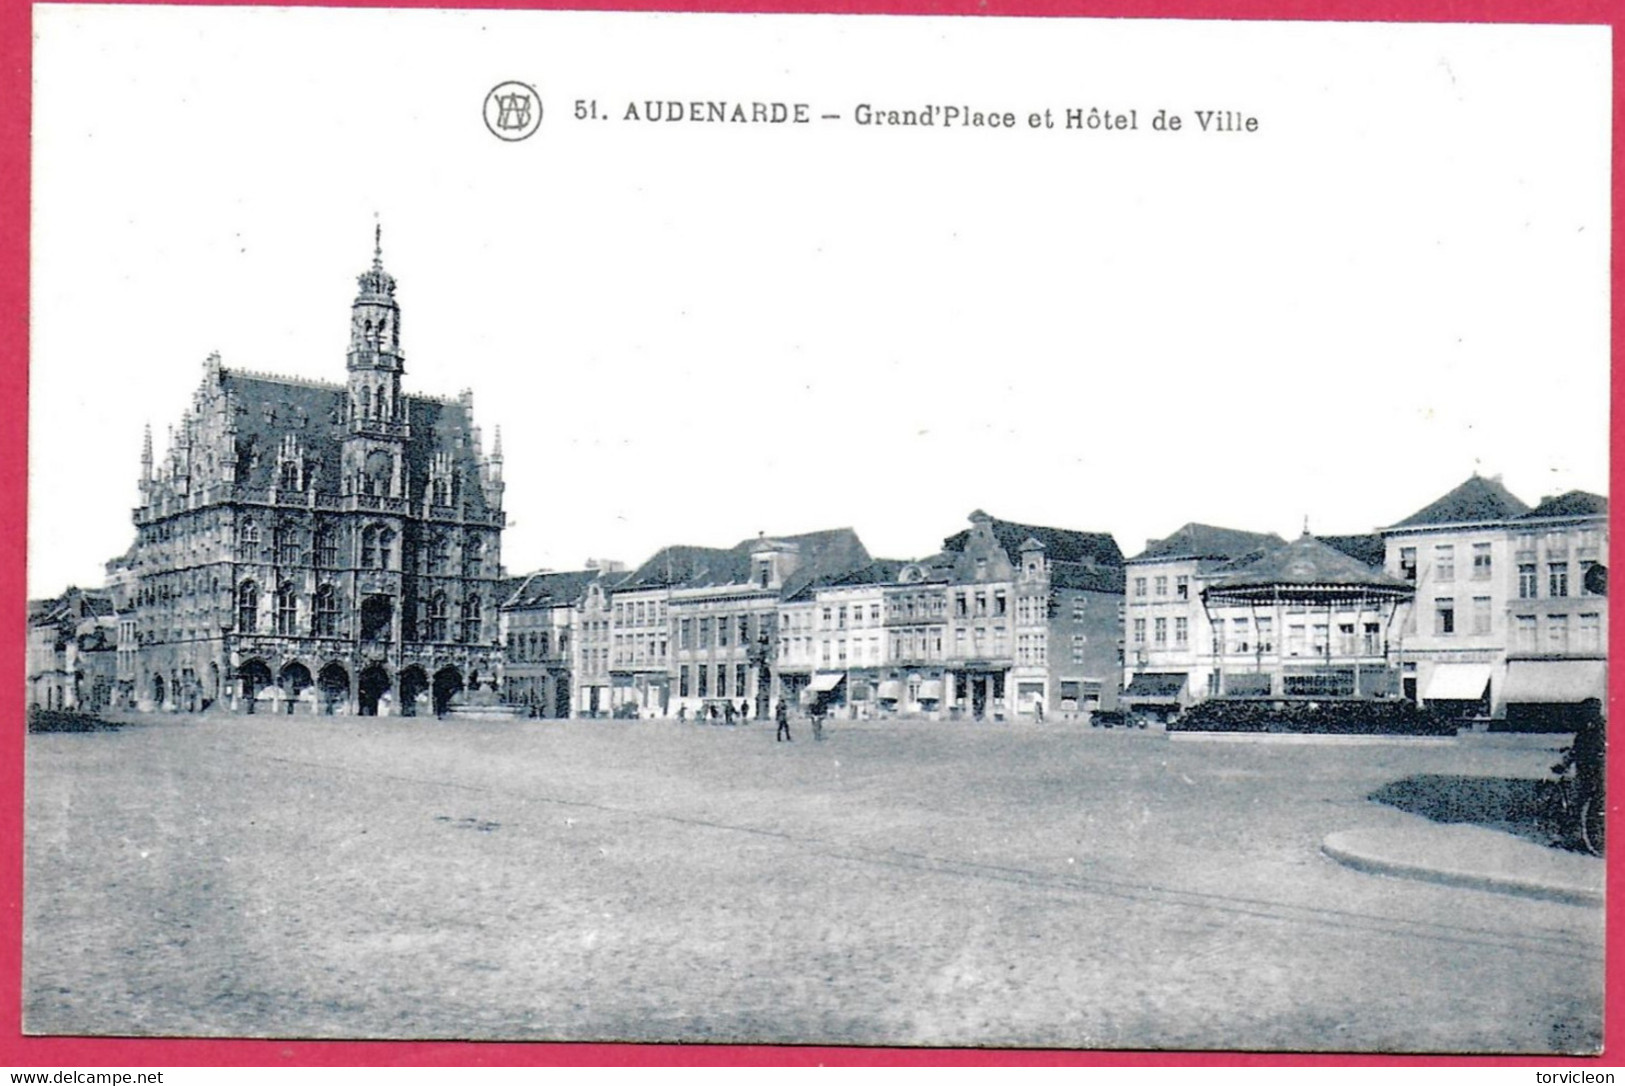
x=316 y=547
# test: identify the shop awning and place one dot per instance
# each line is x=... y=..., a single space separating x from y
x=891 y=690
x=1166 y=685
x=1556 y=681
x=826 y=680
x=931 y=690
x=1457 y=682
x=1248 y=684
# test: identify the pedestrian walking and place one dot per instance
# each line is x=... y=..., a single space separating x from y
x=728 y=712
x=682 y=714
x=817 y=716
x=744 y=712
x=782 y=715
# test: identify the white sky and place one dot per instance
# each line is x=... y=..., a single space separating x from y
x=690 y=333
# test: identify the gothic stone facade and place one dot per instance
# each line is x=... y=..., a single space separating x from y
x=320 y=548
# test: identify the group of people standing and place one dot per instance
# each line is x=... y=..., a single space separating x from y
x=723 y=714
x=727 y=714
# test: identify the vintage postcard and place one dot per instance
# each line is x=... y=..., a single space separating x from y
x=851 y=530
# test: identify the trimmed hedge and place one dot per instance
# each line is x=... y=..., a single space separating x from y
x=1312 y=716
x=65 y=720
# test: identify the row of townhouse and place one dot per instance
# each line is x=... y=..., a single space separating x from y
x=73 y=658
x=1007 y=619
x=1477 y=604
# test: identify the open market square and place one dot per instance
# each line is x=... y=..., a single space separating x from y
x=897 y=883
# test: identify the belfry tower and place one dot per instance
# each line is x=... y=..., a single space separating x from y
x=377 y=413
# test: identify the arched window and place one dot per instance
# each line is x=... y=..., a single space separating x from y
x=366 y=400
x=248 y=607
x=473 y=555
x=286 y=539
x=377 y=547
x=327 y=547
x=564 y=642
x=325 y=621
x=287 y=610
x=437 y=617
x=440 y=553
x=377 y=473
x=471 y=620
x=543 y=645
x=248 y=540
x=290 y=476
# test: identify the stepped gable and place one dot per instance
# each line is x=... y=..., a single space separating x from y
x=1060 y=544
x=1476 y=501
x=1576 y=503
x=1206 y=541
x=1304 y=562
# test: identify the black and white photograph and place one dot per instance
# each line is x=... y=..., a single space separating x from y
x=843 y=530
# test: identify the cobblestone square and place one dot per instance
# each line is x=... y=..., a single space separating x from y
x=900 y=883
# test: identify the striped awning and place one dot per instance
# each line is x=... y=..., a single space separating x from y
x=931 y=690
x=891 y=690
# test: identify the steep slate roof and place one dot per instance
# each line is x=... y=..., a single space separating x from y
x=1089 y=578
x=829 y=553
x=1205 y=541
x=507 y=587
x=552 y=589
x=1305 y=562
x=1576 y=503
x=676 y=565
x=1369 y=549
x=1060 y=544
x=269 y=407
x=68 y=611
x=1475 y=501
x=880 y=571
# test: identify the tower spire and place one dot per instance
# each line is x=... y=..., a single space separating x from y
x=377 y=243
x=146 y=451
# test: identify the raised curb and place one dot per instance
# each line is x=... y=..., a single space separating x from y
x=1314 y=739
x=1385 y=853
